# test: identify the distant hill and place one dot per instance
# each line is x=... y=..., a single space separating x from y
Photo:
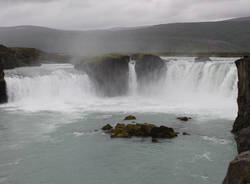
x=240 y=19
x=223 y=36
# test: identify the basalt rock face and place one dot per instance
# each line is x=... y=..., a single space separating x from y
x=239 y=170
x=243 y=140
x=7 y=58
x=109 y=73
x=3 y=90
x=149 y=68
x=17 y=57
x=243 y=119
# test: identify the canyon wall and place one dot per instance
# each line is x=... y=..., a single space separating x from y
x=239 y=169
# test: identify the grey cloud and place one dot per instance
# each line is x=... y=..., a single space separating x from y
x=87 y=14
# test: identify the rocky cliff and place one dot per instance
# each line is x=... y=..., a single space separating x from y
x=239 y=169
x=109 y=73
x=149 y=69
x=243 y=119
x=19 y=57
x=3 y=90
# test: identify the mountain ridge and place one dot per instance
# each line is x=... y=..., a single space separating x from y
x=230 y=35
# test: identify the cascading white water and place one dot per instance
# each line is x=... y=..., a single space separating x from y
x=132 y=78
x=185 y=87
x=187 y=79
x=54 y=87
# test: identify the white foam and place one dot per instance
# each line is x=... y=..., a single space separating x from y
x=202 y=88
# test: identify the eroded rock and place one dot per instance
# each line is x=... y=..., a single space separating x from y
x=184 y=118
x=107 y=127
x=109 y=73
x=243 y=118
x=3 y=87
x=239 y=170
x=142 y=130
x=130 y=117
x=243 y=140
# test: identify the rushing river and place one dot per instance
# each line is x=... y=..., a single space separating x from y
x=50 y=129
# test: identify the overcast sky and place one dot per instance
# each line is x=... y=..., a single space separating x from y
x=92 y=14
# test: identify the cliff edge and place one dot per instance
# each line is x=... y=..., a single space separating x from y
x=3 y=90
x=239 y=169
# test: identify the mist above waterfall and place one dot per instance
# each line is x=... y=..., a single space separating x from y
x=185 y=87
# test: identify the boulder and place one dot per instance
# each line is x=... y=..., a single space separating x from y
x=120 y=131
x=154 y=140
x=130 y=117
x=163 y=132
x=184 y=118
x=202 y=59
x=239 y=170
x=185 y=133
x=107 y=127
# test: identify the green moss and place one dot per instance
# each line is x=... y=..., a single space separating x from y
x=246 y=178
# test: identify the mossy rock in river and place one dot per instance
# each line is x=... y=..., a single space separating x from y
x=107 y=127
x=142 y=130
x=130 y=117
x=184 y=118
x=163 y=132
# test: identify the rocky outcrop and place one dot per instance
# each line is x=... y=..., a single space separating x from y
x=7 y=58
x=243 y=119
x=17 y=57
x=140 y=130
x=109 y=73
x=239 y=170
x=202 y=59
x=148 y=67
x=3 y=88
x=184 y=118
x=130 y=117
x=243 y=140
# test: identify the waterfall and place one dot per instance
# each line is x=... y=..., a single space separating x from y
x=48 y=87
x=132 y=78
x=185 y=86
x=201 y=79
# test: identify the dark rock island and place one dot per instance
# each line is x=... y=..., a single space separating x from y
x=139 y=130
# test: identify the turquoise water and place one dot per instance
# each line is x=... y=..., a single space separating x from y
x=66 y=148
x=50 y=131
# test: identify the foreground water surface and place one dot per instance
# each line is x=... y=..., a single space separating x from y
x=50 y=129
